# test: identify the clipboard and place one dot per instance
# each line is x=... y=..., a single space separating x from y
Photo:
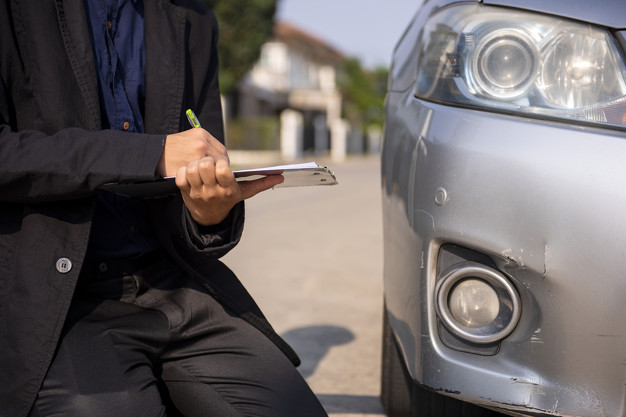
x=296 y=175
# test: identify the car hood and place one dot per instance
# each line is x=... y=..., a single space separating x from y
x=609 y=13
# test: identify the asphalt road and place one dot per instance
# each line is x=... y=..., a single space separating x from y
x=312 y=259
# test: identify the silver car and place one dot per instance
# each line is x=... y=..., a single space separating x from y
x=504 y=204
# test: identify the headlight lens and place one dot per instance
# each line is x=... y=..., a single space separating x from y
x=504 y=64
x=513 y=61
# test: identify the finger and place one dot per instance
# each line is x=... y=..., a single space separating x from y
x=193 y=174
x=252 y=188
x=215 y=148
x=181 y=179
x=224 y=176
x=206 y=168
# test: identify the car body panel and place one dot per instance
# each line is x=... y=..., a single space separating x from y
x=609 y=13
x=545 y=201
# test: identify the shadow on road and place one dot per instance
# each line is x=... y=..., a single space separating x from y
x=351 y=404
x=313 y=343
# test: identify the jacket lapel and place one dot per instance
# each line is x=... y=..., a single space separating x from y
x=165 y=66
x=75 y=33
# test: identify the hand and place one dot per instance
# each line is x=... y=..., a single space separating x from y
x=210 y=190
x=184 y=147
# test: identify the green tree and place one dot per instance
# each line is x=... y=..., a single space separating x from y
x=245 y=25
x=364 y=92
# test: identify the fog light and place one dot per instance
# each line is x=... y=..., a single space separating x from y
x=477 y=303
x=473 y=303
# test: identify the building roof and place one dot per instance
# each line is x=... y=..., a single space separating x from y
x=307 y=44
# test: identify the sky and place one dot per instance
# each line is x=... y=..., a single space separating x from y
x=365 y=29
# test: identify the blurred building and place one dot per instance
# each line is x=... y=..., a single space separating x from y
x=295 y=83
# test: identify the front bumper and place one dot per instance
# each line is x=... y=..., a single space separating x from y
x=545 y=201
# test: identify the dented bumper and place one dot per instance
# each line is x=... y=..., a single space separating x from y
x=544 y=202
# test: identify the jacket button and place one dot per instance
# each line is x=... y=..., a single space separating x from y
x=64 y=265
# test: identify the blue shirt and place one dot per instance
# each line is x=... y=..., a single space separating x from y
x=120 y=227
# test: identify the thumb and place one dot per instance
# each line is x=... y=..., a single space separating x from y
x=252 y=188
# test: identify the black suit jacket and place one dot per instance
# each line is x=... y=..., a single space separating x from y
x=54 y=155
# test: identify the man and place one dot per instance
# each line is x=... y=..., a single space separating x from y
x=112 y=305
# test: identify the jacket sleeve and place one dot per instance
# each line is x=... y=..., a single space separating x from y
x=185 y=239
x=51 y=147
x=70 y=163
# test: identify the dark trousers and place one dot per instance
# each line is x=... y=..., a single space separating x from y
x=154 y=343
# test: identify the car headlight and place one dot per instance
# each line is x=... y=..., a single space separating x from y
x=519 y=62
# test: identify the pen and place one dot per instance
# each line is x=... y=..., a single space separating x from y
x=193 y=120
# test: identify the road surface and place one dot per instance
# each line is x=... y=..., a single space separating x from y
x=312 y=259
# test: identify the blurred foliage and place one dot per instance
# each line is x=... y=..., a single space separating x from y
x=254 y=133
x=244 y=25
x=364 y=92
